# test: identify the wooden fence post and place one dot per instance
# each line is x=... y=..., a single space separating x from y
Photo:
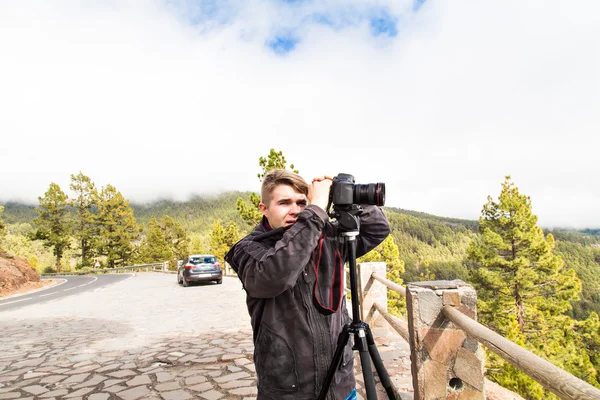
x=445 y=362
x=371 y=291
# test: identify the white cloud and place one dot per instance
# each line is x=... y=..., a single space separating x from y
x=134 y=95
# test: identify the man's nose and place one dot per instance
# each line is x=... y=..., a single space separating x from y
x=296 y=208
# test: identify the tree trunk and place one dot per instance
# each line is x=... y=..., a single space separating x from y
x=83 y=252
x=520 y=311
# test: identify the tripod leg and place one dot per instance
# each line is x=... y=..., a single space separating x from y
x=381 y=371
x=335 y=362
x=365 y=364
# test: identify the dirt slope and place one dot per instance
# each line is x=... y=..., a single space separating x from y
x=15 y=273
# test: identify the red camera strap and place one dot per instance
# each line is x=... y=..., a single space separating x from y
x=336 y=292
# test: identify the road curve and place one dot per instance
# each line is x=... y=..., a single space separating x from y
x=71 y=285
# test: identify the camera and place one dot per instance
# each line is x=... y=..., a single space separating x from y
x=345 y=192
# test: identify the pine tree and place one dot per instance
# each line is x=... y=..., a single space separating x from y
x=53 y=222
x=85 y=226
x=275 y=160
x=118 y=228
x=250 y=212
x=176 y=238
x=588 y=335
x=222 y=238
x=155 y=247
x=199 y=243
x=523 y=288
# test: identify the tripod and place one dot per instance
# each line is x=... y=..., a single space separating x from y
x=348 y=227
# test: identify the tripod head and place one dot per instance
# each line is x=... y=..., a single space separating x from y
x=347 y=217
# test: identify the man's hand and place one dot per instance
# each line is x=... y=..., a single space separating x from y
x=318 y=191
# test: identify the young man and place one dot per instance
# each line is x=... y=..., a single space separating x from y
x=296 y=311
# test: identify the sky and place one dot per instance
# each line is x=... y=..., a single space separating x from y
x=440 y=100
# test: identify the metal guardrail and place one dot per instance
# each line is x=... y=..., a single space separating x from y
x=553 y=378
x=97 y=271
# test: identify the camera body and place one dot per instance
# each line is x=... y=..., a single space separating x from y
x=344 y=192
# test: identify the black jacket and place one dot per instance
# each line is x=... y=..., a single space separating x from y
x=294 y=342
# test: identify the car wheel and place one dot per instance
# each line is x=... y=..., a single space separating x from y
x=185 y=283
x=219 y=281
x=179 y=280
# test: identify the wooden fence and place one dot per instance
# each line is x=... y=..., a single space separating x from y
x=445 y=337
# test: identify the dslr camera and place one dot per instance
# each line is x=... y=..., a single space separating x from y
x=344 y=192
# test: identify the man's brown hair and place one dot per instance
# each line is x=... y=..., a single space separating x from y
x=277 y=177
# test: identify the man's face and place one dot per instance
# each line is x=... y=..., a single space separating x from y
x=284 y=207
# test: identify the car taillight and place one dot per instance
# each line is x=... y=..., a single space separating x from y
x=217 y=264
x=189 y=266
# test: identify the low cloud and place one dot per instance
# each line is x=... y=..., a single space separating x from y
x=439 y=100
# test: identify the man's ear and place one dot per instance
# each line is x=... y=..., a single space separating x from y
x=263 y=209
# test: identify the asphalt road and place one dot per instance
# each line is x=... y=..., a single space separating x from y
x=71 y=285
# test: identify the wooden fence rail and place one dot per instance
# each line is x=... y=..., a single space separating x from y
x=558 y=381
x=554 y=379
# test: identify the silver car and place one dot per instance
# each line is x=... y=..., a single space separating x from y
x=199 y=268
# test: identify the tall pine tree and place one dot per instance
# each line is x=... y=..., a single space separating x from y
x=523 y=289
x=155 y=247
x=85 y=224
x=53 y=224
x=118 y=228
x=176 y=238
x=222 y=238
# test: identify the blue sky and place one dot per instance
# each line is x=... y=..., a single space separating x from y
x=439 y=100
x=295 y=18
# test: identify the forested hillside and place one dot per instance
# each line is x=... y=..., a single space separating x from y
x=18 y=213
x=196 y=215
x=431 y=247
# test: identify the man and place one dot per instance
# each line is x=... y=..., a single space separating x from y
x=287 y=266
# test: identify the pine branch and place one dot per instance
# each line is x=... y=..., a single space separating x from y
x=552 y=282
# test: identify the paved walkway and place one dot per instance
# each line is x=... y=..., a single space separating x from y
x=145 y=337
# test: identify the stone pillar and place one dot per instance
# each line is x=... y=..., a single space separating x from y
x=371 y=291
x=445 y=362
x=228 y=270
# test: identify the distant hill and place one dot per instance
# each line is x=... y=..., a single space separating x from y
x=15 y=213
x=197 y=214
x=469 y=224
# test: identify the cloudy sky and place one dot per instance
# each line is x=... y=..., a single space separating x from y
x=438 y=99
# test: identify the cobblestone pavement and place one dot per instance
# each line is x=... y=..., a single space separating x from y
x=145 y=337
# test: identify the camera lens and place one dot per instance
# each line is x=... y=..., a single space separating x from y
x=370 y=193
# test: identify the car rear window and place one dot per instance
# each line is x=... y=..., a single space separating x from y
x=202 y=260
